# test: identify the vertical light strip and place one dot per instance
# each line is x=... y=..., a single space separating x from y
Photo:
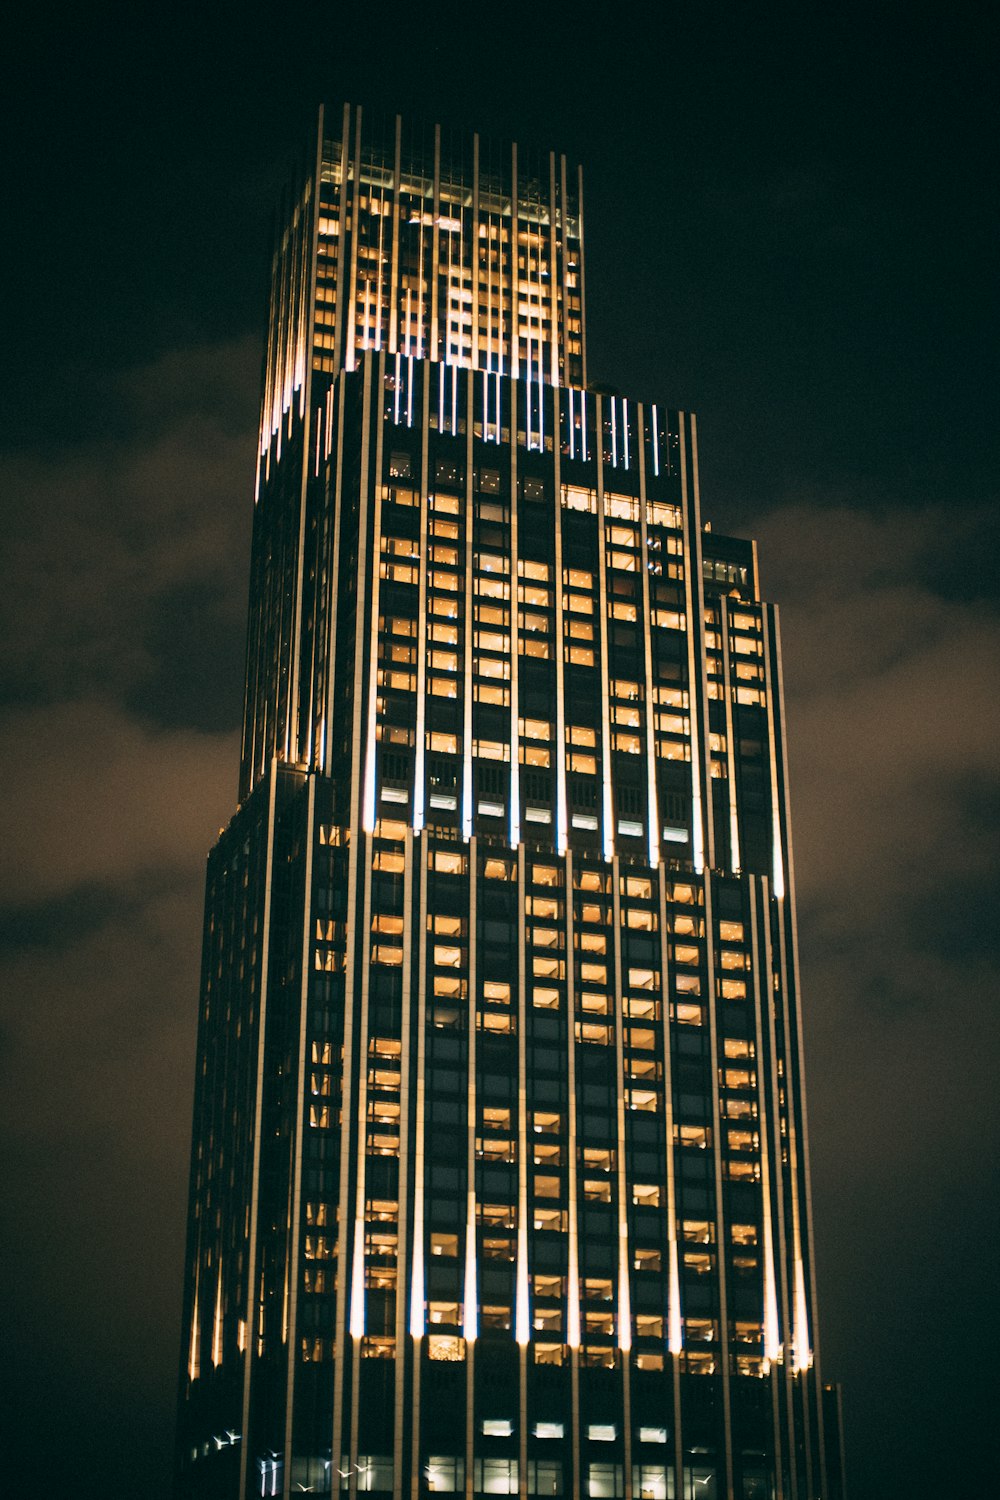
x=573 y=1262
x=360 y=1224
x=470 y=1298
x=607 y=804
x=194 y=1347
x=624 y=1300
x=553 y=289
x=652 y=801
x=418 y=753
x=432 y=352
x=374 y=367
x=417 y=1311
x=656 y=442
x=300 y=1127
x=217 y=1320
x=474 y=257
x=572 y=431
x=515 y=314
x=421 y=857
x=623 y=1320
x=692 y=597
x=802 y=1356
x=470 y=1322
x=720 y=1215
x=351 y=312
x=298 y=736
x=794 y=1023
x=333 y=586
x=469 y=609
x=771 y=966
x=614 y=431
x=396 y=255
x=515 y=590
x=675 y=1326
x=406 y=1061
x=522 y=1321
x=253 y=1319
x=562 y=814
x=762 y=997
x=581 y=284
x=346 y=1243
x=727 y=688
x=698 y=587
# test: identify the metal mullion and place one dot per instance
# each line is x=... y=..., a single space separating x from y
x=652 y=809
x=515 y=277
x=554 y=378
x=417 y=1287
x=296 y=1215
x=471 y=1283
x=777 y=701
x=783 y=1285
x=580 y=281
x=405 y=1064
x=607 y=792
x=522 y=1315
x=515 y=591
x=352 y=290
x=419 y=780
x=573 y=1262
x=697 y=711
x=474 y=266
x=393 y=344
x=727 y=688
x=252 y=1275
x=675 y=1323
x=761 y=997
x=720 y=1217
x=468 y=615
x=336 y=524
x=435 y=313
x=361 y=632
x=562 y=809
x=623 y=1319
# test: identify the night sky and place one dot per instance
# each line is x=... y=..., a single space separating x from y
x=790 y=230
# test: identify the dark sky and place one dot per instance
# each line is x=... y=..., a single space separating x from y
x=791 y=230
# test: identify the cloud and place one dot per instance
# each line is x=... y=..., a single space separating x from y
x=99 y=798
x=104 y=532
x=891 y=697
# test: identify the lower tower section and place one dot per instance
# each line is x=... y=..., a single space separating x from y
x=494 y=1184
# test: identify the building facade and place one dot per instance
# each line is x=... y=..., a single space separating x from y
x=500 y=1177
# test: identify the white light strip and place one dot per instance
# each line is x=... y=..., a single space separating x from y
x=772 y=1332
x=614 y=432
x=409 y=394
x=194 y=1352
x=675 y=1323
x=522 y=1319
x=572 y=423
x=583 y=425
x=802 y=1354
x=778 y=878
x=357 y=1324
x=395 y=404
x=625 y=425
x=470 y=1319
x=624 y=1301
x=417 y=1273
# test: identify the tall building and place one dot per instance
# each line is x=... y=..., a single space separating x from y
x=500 y=1177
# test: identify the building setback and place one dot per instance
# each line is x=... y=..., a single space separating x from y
x=500 y=1176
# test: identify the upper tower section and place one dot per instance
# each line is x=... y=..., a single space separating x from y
x=427 y=242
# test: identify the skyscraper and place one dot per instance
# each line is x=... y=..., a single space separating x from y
x=500 y=1177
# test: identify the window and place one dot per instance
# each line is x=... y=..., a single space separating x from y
x=602 y=1432
x=498 y=1427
